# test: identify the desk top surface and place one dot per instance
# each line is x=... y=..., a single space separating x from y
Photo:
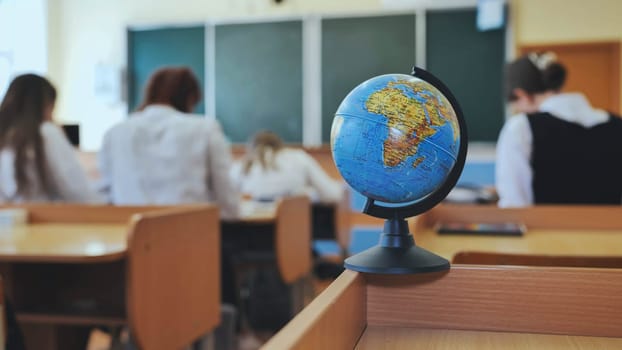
x=534 y=241
x=56 y=242
x=395 y=338
x=88 y=242
x=257 y=212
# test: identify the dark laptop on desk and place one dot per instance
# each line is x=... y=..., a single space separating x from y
x=73 y=133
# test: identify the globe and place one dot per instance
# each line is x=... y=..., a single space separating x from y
x=395 y=138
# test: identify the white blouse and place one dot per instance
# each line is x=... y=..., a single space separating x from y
x=67 y=178
x=296 y=173
x=160 y=156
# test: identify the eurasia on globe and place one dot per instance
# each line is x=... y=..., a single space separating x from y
x=395 y=138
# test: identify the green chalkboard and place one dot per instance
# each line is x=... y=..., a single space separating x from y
x=356 y=49
x=258 y=77
x=151 y=49
x=470 y=63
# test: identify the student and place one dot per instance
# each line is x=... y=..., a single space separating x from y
x=270 y=170
x=559 y=149
x=162 y=154
x=37 y=163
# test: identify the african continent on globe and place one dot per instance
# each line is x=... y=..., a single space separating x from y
x=395 y=138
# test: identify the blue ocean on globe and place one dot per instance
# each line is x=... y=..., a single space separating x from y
x=395 y=138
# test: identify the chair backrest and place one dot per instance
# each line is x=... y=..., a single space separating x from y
x=332 y=221
x=293 y=237
x=480 y=258
x=343 y=227
x=173 y=276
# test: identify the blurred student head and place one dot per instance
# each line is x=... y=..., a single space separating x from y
x=28 y=102
x=261 y=148
x=531 y=78
x=177 y=87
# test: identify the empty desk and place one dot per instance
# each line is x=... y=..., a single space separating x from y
x=553 y=230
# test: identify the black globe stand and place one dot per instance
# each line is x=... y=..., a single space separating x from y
x=397 y=252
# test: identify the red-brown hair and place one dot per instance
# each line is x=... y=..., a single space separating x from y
x=174 y=86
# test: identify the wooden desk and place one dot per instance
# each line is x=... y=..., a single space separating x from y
x=554 y=230
x=84 y=266
x=62 y=242
x=467 y=307
x=252 y=212
x=396 y=338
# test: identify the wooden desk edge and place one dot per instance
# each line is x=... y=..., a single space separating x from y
x=523 y=300
x=60 y=259
x=249 y=220
x=546 y=300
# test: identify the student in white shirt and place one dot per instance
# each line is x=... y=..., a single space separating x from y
x=558 y=149
x=37 y=163
x=270 y=170
x=162 y=154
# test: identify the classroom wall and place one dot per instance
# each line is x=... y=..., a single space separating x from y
x=88 y=33
x=544 y=21
x=85 y=34
x=26 y=52
x=557 y=21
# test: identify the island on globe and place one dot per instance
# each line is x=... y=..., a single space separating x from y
x=395 y=138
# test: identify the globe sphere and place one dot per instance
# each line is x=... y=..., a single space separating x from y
x=395 y=138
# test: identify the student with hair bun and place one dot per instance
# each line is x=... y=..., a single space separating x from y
x=558 y=149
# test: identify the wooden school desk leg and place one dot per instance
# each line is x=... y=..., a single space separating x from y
x=308 y=291
x=115 y=335
x=299 y=292
x=296 y=297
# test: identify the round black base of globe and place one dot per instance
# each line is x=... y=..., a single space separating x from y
x=383 y=260
x=396 y=253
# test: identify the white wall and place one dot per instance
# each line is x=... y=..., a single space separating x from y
x=554 y=21
x=558 y=21
x=84 y=34
x=23 y=39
